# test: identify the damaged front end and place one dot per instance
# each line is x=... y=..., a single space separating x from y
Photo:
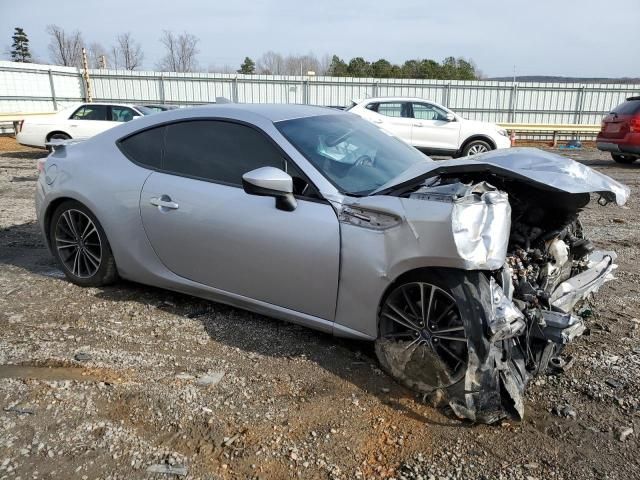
x=531 y=271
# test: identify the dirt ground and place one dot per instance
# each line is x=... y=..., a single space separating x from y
x=109 y=382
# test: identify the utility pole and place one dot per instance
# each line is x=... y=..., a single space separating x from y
x=85 y=75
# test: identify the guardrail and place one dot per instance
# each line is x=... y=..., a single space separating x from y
x=554 y=130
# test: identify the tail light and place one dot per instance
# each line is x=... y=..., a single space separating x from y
x=41 y=162
x=634 y=124
x=20 y=123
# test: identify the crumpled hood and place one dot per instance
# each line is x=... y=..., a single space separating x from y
x=543 y=169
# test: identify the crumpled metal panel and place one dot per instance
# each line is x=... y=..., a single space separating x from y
x=481 y=226
x=546 y=170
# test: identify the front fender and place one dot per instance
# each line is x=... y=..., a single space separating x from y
x=468 y=234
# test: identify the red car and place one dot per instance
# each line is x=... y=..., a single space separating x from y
x=620 y=132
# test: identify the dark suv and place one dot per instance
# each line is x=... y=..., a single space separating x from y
x=620 y=132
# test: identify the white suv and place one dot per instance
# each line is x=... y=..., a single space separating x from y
x=430 y=127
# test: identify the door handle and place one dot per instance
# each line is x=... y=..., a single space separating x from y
x=164 y=203
x=377 y=121
x=418 y=125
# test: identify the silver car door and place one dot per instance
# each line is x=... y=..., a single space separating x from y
x=220 y=236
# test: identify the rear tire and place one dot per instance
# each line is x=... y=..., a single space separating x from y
x=624 y=159
x=57 y=136
x=476 y=147
x=80 y=246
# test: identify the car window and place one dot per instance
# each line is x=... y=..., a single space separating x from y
x=90 y=112
x=392 y=109
x=372 y=106
x=630 y=107
x=218 y=151
x=122 y=114
x=426 y=111
x=145 y=147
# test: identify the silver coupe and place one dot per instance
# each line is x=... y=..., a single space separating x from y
x=468 y=274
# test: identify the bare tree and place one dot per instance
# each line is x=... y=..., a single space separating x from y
x=324 y=64
x=301 y=64
x=127 y=53
x=271 y=63
x=65 y=48
x=181 y=52
x=94 y=53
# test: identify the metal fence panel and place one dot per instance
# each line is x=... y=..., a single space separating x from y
x=42 y=88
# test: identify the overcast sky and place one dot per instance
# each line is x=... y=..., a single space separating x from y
x=541 y=37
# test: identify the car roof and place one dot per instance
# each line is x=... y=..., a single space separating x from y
x=271 y=111
x=394 y=99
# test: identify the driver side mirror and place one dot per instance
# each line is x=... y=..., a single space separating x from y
x=450 y=117
x=271 y=182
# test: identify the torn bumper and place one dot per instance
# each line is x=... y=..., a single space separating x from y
x=600 y=268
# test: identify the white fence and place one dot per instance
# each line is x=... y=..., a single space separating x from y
x=43 y=88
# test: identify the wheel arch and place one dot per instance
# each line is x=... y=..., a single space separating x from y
x=51 y=208
x=479 y=136
x=402 y=278
x=53 y=132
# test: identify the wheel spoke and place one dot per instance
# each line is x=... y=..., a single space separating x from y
x=431 y=295
x=63 y=240
x=95 y=261
x=412 y=307
x=449 y=337
x=76 y=264
x=82 y=258
x=89 y=227
x=449 y=330
x=399 y=321
x=72 y=227
x=418 y=340
x=444 y=313
x=397 y=311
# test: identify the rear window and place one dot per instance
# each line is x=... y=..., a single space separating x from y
x=145 y=147
x=630 y=107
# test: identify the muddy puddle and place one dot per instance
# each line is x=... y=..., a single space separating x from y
x=50 y=373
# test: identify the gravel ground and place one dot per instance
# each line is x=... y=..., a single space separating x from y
x=127 y=381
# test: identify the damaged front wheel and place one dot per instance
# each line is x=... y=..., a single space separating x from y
x=434 y=338
x=420 y=326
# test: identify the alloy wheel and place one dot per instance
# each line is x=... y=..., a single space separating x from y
x=78 y=243
x=424 y=316
x=476 y=149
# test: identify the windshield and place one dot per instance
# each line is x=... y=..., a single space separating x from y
x=353 y=154
x=144 y=110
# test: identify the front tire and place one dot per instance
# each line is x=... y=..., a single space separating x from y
x=476 y=147
x=80 y=246
x=432 y=339
x=624 y=159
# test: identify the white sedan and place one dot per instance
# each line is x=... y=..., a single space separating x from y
x=81 y=121
x=431 y=127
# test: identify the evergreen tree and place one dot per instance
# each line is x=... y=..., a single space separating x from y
x=248 y=66
x=359 y=67
x=20 y=47
x=337 y=67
